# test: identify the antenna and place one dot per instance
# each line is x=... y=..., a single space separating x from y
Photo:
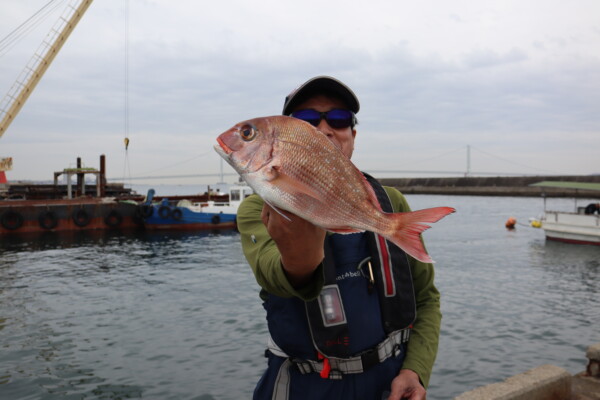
x=468 y=173
x=221 y=181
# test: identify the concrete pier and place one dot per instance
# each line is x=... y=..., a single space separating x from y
x=547 y=382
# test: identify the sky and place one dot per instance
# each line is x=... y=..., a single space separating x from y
x=515 y=84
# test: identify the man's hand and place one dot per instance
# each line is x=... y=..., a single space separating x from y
x=407 y=386
x=300 y=243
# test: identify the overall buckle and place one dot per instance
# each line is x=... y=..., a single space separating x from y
x=370 y=358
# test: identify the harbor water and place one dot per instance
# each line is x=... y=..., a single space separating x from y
x=111 y=315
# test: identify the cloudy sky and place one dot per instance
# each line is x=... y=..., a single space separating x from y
x=518 y=81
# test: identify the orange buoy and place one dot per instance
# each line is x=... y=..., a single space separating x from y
x=510 y=223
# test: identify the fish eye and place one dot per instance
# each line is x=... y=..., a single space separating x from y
x=248 y=132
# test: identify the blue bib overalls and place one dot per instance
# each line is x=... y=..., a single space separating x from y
x=289 y=328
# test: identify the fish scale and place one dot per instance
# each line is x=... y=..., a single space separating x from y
x=323 y=178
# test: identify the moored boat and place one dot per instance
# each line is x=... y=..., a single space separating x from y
x=185 y=214
x=582 y=226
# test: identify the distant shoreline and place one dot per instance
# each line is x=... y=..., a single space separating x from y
x=514 y=186
x=492 y=186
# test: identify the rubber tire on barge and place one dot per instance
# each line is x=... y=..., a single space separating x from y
x=113 y=219
x=81 y=218
x=11 y=220
x=48 y=220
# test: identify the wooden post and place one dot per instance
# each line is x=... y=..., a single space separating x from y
x=102 y=177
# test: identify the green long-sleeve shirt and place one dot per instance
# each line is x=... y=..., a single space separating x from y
x=264 y=259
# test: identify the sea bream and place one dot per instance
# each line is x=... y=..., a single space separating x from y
x=294 y=167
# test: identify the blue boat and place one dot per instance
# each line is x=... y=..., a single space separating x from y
x=188 y=215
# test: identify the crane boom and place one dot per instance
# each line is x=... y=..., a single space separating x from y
x=40 y=61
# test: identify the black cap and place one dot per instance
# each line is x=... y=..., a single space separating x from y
x=321 y=85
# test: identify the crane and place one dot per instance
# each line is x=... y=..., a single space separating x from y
x=35 y=69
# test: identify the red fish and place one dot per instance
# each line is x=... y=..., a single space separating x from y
x=294 y=167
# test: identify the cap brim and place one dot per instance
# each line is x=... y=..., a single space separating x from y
x=318 y=85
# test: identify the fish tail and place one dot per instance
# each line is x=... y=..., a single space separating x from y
x=406 y=229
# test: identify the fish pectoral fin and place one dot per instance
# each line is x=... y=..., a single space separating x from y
x=271 y=173
x=290 y=185
x=278 y=211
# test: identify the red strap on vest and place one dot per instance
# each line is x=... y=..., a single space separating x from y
x=387 y=270
x=326 y=366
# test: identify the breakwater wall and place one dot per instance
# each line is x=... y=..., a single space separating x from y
x=492 y=186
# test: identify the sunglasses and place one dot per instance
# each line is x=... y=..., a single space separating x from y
x=336 y=118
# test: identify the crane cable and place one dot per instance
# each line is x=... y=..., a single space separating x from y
x=126 y=167
x=10 y=40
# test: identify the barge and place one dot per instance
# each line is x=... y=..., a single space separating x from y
x=26 y=216
x=30 y=208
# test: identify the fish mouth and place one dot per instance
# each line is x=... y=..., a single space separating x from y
x=222 y=148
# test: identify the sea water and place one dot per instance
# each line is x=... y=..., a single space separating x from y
x=173 y=315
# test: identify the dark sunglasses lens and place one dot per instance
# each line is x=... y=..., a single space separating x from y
x=311 y=116
x=339 y=118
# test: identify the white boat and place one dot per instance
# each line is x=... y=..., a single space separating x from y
x=582 y=226
x=236 y=195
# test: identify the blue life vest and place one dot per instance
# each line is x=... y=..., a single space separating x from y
x=364 y=312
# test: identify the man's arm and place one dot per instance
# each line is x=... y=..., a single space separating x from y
x=299 y=242
x=294 y=271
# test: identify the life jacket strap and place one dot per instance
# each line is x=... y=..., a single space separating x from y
x=338 y=367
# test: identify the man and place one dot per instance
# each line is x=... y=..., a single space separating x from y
x=340 y=308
